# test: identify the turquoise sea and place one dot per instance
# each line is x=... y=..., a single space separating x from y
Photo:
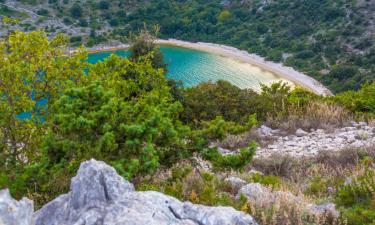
x=193 y=67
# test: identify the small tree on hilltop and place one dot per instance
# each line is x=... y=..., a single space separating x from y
x=144 y=45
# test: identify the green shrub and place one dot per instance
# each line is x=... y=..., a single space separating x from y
x=232 y=161
x=126 y=118
x=361 y=101
x=266 y=180
x=178 y=173
x=357 y=200
x=208 y=100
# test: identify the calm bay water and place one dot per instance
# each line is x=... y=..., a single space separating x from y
x=193 y=67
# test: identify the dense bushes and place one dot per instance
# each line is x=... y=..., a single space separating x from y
x=277 y=105
x=54 y=116
x=126 y=116
x=57 y=110
x=231 y=161
x=209 y=100
x=357 y=199
x=361 y=101
x=329 y=40
x=316 y=35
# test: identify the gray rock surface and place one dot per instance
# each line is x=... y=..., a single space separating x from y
x=235 y=183
x=255 y=192
x=98 y=195
x=13 y=212
x=301 y=133
x=328 y=209
x=266 y=131
x=359 y=135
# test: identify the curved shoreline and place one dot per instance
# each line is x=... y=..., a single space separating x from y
x=278 y=69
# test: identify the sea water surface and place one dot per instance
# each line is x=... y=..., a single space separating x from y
x=193 y=67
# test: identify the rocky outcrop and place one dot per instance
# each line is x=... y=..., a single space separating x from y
x=260 y=195
x=308 y=144
x=301 y=133
x=235 y=183
x=98 y=195
x=328 y=208
x=14 y=212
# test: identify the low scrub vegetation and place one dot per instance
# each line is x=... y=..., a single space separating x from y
x=345 y=178
x=57 y=111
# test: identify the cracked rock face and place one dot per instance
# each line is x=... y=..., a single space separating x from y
x=14 y=212
x=98 y=195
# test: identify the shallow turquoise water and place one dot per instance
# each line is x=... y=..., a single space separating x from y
x=193 y=67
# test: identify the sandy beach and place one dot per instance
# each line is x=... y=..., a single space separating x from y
x=278 y=69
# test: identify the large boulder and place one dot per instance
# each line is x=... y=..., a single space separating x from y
x=301 y=133
x=264 y=130
x=13 y=212
x=98 y=195
x=235 y=183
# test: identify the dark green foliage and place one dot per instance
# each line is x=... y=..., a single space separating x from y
x=317 y=35
x=76 y=11
x=343 y=72
x=361 y=101
x=208 y=100
x=218 y=128
x=126 y=113
x=143 y=45
x=127 y=120
x=75 y=39
x=266 y=180
x=231 y=161
x=275 y=97
x=103 y=4
x=42 y=12
x=357 y=200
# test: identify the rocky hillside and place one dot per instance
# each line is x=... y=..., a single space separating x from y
x=98 y=195
x=308 y=144
x=208 y=144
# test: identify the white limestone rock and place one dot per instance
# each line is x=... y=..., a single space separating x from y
x=304 y=144
x=266 y=131
x=13 y=212
x=328 y=209
x=301 y=133
x=235 y=183
x=99 y=196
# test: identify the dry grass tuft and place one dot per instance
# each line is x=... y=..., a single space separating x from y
x=313 y=176
x=282 y=211
x=243 y=140
x=316 y=115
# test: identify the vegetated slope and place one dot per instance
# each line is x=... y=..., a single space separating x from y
x=126 y=113
x=332 y=41
x=329 y=40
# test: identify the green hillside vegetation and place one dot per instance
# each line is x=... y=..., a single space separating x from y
x=332 y=41
x=311 y=36
x=126 y=113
